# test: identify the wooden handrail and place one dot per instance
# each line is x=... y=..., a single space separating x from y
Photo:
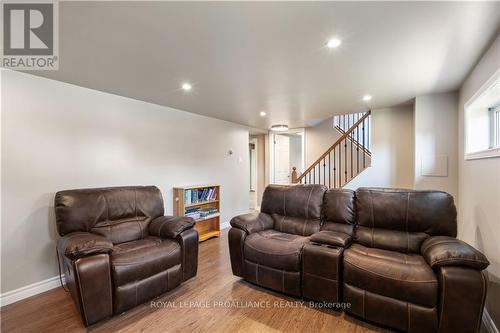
x=356 y=143
x=332 y=147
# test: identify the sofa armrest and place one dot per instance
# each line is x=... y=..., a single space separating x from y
x=170 y=226
x=79 y=244
x=188 y=240
x=333 y=238
x=448 y=251
x=252 y=222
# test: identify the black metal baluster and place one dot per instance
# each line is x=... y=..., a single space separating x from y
x=329 y=171
x=334 y=169
x=345 y=159
x=364 y=153
x=357 y=146
x=368 y=136
x=351 y=157
x=319 y=172
x=324 y=172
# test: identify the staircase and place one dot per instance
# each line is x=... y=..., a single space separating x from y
x=346 y=158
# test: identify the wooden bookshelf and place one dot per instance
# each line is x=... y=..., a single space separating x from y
x=208 y=226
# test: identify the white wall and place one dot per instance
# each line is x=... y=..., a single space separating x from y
x=479 y=188
x=318 y=139
x=392 y=150
x=436 y=130
x=58 y=136
x=296 y=153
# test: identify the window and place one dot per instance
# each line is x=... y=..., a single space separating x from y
x=482 y=121
x=494 y=126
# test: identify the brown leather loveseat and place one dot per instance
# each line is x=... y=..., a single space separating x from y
x=390 y=254
x=118 y=249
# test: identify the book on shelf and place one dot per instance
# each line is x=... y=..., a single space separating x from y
x=197 y=213
x=194 y=196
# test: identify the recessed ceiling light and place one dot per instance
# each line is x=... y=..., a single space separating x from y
x=333 y=43
x=367 y=98
x=262 y=113
x=186 y=86
x=279 y=128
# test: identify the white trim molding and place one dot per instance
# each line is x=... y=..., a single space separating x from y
x=488 y=153
x=29 y=290
x=488 y=322
x=493 y=83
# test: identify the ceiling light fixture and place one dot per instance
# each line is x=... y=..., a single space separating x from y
x=262 y=113
x=333 y=43
x=186 y=86
x=367 y=98
x=279 y=128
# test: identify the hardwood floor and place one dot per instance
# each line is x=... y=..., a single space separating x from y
x=53 y=311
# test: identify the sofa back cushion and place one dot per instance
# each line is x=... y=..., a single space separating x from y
x=295 y=209
x=338 y=211
x=400 y=219
x=120 y=214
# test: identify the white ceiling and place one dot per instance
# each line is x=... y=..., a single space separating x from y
x=244 y=57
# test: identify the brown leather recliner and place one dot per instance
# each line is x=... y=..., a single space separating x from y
x=286 y=245
x=266 y=247
x=405 y=268
x=118 y=249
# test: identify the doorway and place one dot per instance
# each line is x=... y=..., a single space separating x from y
x=287 y=154
x=252 y=150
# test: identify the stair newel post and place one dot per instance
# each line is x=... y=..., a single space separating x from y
x=294 y=175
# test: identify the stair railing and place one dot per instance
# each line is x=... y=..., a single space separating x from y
x=346 y=158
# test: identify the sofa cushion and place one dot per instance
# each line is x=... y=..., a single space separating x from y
x=120 y=214
x=338 y=211
x=140 y=259
x=400 y=219
x=294 y=209
x=406 y=277
x=275 y=249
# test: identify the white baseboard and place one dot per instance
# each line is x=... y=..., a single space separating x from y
x=224 y=225
x=488 y=322
x=45 y=285
x=29 y=290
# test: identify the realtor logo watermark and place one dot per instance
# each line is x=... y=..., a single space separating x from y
x=30 y=35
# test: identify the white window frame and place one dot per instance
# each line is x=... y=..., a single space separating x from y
x=486 y=153
x=494 y=126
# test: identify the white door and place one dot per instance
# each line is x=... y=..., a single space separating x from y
x=281 y=159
